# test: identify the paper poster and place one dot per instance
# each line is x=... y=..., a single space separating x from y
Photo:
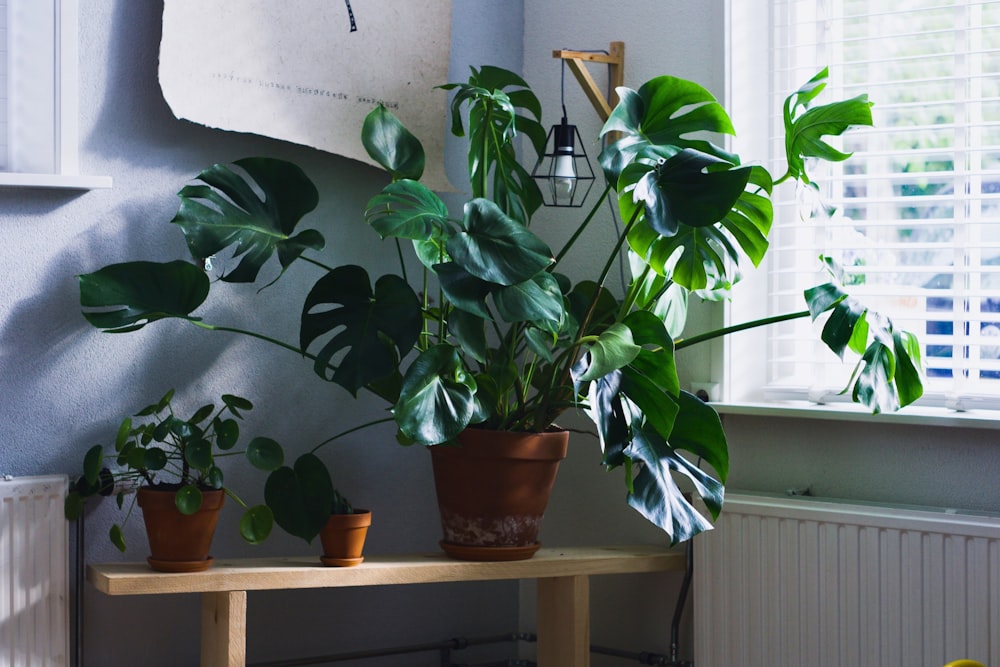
x=308 y=71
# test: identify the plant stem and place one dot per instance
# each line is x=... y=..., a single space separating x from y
x=681 y=343
x=253 y=334
x=583 y=225
x=351 y=430
x=321 y=265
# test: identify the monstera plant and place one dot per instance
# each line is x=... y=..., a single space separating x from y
x=483 y=328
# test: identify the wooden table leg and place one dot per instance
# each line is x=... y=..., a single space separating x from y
x=564 y=621
x=224 y=629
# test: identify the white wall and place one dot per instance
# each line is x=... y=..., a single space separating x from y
x=64 y=386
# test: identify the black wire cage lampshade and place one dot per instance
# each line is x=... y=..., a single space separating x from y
x=563 y=171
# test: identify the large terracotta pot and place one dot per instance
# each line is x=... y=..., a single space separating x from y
x=492 y=490
x=343 y=538
x=179 y=542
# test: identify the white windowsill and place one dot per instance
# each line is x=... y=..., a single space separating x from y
x=920 y=416
x=66 y=181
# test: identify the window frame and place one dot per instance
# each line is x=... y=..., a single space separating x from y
x=53 y=60
x=743 y=355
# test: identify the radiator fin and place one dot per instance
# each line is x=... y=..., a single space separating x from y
x=34 y=572
x=791 y=582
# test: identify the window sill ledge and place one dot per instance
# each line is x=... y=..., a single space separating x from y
x=911 y=415
x=64 y=181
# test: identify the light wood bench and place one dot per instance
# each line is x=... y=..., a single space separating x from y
x=563 y=598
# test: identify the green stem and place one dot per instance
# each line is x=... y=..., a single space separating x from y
x=583 y=225
x=725 y=331
x=402 y=261
x=314 y=262
x=351 y=430
x=252 y=334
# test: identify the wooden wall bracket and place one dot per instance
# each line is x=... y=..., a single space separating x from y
x=615 y=58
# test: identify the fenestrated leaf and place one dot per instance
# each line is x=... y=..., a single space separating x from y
x=665 y=111
x=608 y=414
x=437 y=399
x=125 y=297
x=691 y=188
x=265 y=454
x=188 y=499
x=373 y=329
x=494 y=98
x=496 y=248
x=228 y=213
x=804 y=132
x=698 y=430
x=391 y=145
x=300 y=497
x=655 y=493
x=256 y=524
x=409 y=210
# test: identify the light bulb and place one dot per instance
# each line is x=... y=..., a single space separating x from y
x=565 y=172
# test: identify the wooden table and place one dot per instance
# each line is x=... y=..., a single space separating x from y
x=563 y=589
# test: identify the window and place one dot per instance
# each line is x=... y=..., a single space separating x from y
x=38 y=96
x=917 y=227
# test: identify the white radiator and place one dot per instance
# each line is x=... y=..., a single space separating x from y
x=799 y=582
x=34 y=572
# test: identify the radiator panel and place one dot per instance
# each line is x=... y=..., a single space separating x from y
x=786 y=582
x=34 y=572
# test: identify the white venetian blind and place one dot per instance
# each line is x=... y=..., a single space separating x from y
x=918 y=206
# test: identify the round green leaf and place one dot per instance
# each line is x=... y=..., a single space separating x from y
x=93 y=460
x=216 y=477
x=199 y=454
x=256 y=524
x=188 y=499
x=227 y=433
x=265 y=454
x=153 y=458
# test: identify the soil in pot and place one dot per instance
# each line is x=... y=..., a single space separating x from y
x=179 y=542
x=492 y=491
x=343 y=538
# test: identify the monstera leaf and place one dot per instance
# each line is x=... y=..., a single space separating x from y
x=408 y=210
x=391 y=145
x=805 y=127
x=500 y=106
x=374 y=328
x=126 y=297
x=658 y=119
x=228 y=213
x=437 y=399
x=496 y=248
x=887 y=375
x=705 y=256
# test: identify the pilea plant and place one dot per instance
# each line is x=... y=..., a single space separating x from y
x=161 y=450
x=488 y=331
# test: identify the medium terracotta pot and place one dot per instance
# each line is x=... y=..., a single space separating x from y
x=179 y=542
x=343 y=538
x=492 y=490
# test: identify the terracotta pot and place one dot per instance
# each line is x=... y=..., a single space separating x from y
x=492 y=490
x=343 y=538
x=179 y=542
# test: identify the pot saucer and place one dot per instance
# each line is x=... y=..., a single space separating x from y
x=468 y=552
x=341 y=562
x=180 y=565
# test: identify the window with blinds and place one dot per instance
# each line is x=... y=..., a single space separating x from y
x=917 y=221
